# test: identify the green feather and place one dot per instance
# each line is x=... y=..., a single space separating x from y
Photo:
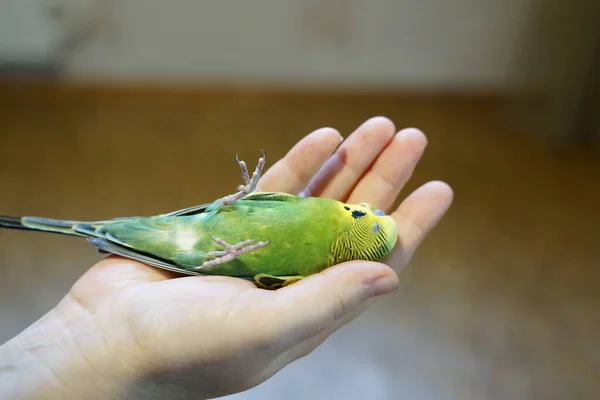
x=293 y=237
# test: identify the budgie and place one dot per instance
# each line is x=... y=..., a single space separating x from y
x=270 y=238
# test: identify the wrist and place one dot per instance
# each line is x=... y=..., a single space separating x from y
x=65 y=354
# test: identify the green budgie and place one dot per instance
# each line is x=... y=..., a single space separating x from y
x=273 y=239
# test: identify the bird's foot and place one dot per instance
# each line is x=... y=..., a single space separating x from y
x=232 y=251
x=250 y=183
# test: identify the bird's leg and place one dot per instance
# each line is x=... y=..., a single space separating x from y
x=232 y=251
x=250 y=183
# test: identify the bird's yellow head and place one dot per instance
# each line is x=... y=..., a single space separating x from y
x=366 y=234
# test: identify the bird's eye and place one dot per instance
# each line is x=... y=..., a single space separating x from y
x=379 y=213
x=376 y=227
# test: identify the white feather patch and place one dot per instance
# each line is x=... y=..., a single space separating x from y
x=186 y=238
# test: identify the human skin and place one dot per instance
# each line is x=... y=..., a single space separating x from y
x=127 y=330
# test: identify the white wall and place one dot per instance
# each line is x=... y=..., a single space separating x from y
x=388 y=42
x=26 y=33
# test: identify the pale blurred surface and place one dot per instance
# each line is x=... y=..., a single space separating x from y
x=291 y=42
x=500 y=302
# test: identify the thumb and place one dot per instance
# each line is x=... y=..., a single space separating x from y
x=312 y=305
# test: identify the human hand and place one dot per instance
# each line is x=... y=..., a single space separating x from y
x=128 y=330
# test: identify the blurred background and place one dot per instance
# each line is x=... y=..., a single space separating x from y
x=138 y=107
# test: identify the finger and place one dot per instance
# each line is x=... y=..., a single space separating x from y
x=294 y=170
x=393 y=168
x=416 y=216
x=339 y=175
x=319 y=301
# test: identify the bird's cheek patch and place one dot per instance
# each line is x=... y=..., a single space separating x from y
x=376 y=227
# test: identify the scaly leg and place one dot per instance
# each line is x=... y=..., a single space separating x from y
x=231 y=252
x=250 y=183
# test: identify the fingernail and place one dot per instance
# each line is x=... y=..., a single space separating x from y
x=384 y=285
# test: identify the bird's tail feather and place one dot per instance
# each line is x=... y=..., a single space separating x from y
x=41 y=224
x=11 y=222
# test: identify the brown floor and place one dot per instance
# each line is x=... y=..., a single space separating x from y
x=500 y=302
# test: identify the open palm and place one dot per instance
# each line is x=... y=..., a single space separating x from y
x=165 y=335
